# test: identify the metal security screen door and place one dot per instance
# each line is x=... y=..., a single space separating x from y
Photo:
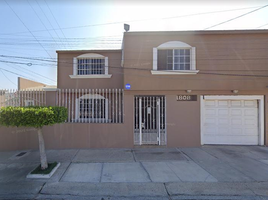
x=150 y=120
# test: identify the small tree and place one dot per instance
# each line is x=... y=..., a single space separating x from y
x=36 y=117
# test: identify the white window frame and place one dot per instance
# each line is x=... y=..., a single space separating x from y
x=90 y=56
x=172 y=45
x=89 y=96
x=27 y=102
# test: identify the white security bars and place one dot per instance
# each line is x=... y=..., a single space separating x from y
x=150 y=120
x=12 y=97
x=92 y=105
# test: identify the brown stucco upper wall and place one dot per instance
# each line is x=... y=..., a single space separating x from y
x=224 y=52
x=65 y=68
x=27 y=84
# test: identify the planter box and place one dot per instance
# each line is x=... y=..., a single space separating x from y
x=43 y=175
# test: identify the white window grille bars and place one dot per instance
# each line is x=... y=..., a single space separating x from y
x=90 y=66
x=31 y=97
x=92 y=105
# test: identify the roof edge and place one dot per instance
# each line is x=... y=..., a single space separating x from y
x=242 y=31
x=89 y=50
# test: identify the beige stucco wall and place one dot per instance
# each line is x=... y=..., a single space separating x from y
x=235 y=52
x=65 y=68
x=183 y=127
x=73 y=135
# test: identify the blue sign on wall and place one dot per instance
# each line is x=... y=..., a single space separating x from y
x=128 y=86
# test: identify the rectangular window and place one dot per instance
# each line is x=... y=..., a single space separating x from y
x=92 y=108
x=90 y=66
x=174 y=59
x=29 y=102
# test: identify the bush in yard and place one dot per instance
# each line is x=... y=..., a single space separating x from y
x=36 y=117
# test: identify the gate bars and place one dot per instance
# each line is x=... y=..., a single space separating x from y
x=92 y=105
x=30 y=97
x=149 y=120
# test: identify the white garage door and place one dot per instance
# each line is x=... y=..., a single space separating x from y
x=230 y=122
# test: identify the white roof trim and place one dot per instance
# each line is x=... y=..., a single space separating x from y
x=91 y=55
x=173 y=44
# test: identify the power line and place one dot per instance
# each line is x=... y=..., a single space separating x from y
x=26 y=27
x=200 y=71
x=20 y=69
x=55 y=19
x=262 y=25
x=27 y=69
x=41 y=21
x=236 y=17
x=8 y=78
x=120 y=22
x=49 y=22
x=16 y=74
x=54 y=60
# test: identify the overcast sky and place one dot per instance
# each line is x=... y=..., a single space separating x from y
x=31 y=31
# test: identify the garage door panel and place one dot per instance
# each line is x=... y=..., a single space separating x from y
x=232 y=140
x=223 y=103
x=223 y=121
x=250 y=103
x=210 y=121
x=251 y=112
x=235 y=103
x=210 y=112
x=223 y=112
x=210 y=103
x=210 y=130
x=236 y=112
x=223 y=131
x=236 y=121
x=230 y=122
x=250 y=131
x=250 y=121
x=236 y=131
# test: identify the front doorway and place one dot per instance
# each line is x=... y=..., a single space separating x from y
x=150 y=120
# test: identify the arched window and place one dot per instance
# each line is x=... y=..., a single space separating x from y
x=90 y=65
x=174 y=56
x=92 y=107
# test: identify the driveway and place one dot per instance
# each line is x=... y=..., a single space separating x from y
x=237 y=168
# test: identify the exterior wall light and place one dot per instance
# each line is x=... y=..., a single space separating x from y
x=188 y=91
x=235 y=91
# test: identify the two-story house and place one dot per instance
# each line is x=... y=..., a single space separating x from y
x=191 y=88
x=174 y=89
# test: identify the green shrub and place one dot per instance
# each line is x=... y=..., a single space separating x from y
x=33 y=116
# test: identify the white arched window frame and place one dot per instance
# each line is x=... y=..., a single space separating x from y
x=90 y=56
x=173 y=45
x=94 y=109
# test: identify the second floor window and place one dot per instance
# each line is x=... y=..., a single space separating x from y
x=174 y=59
x=89 y=66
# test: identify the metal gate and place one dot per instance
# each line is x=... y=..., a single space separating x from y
x=150 y=120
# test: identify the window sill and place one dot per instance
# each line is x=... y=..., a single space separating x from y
x=91 y=76
x=174 y=72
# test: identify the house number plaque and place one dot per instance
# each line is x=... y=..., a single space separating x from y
x=186 y=97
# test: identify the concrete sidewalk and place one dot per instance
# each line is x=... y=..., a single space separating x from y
x=109 y=191
x=162 y=173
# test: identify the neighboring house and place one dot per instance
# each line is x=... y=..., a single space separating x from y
x=29 y=93
x=32 y=93
x=181 y=89
x=24 y=84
